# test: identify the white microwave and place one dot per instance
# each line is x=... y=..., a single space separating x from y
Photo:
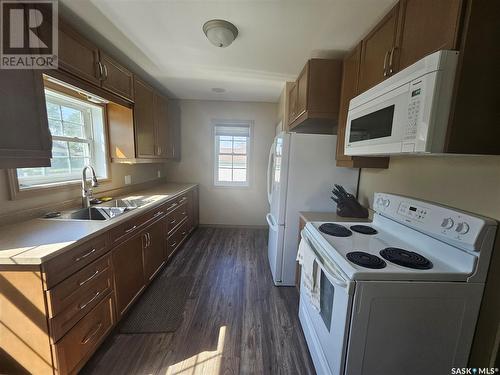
x=407 y=113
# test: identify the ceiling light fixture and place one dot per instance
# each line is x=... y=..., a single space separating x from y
x=220 y=33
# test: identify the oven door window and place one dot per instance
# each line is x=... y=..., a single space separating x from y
x=327 y=292
x=374 y=125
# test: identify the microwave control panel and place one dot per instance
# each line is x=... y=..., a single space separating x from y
x=413 y=110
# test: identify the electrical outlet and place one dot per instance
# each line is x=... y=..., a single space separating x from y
x=158 y=173
x=128 y=179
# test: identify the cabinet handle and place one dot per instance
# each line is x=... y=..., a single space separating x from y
x=149 y=239
x=101 y=72
x=158 y=213
x=85 y=255
x=173 y=221
x=183 y=199
x=385 y=62
x=183 y=233
x=82 y=306
x=173 y=205
x=174 y=244
x=88 y=279
x=91 y=335
x=130 y=229
x=391 y=54
x=105 y=71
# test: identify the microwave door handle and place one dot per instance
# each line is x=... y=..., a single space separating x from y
x=385 y=62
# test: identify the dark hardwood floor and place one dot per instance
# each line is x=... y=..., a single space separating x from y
x=235 y=322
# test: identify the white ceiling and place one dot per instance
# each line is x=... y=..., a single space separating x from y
x=276 y=37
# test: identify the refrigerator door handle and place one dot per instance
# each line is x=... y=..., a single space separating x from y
x=270 y=221
x=269 y=177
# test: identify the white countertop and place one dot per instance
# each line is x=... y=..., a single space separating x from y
x=36 y=241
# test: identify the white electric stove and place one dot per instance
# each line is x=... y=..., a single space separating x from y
x=400 y=295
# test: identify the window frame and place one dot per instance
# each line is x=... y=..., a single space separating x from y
x=16 y=192
x=216 y=142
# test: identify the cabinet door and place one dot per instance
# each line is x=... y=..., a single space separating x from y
x=77 y=55
x=348 y=91
x=116 y=78
x=25 y=140
x=128 y=270
x=302 y=87
x=292 y=99
x=154 y=251
x=379 y=55
x=144 y=120
x=428 y=26
x=163 y=142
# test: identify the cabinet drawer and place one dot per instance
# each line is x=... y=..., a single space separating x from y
x=80 y=303
x=73 y=350
x=62 y=266
x=65 y=293
x=184 y=198
x=176 y=238
x=176 y=216
x=129 y=228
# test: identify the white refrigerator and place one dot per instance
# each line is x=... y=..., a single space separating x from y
x=300 y=176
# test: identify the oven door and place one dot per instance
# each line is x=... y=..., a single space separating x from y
x=327 y=330
x=380 y=125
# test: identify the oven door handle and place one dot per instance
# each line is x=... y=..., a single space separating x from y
x=337 y=279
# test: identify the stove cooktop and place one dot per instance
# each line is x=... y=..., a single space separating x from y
x=365 y=251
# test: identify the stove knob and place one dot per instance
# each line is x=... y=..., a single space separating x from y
x=447 y=223
x=387 y=202
x=462 y=228
x=380 y=201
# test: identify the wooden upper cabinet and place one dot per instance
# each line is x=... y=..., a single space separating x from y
x=129 y=273
x=314 y=98
x=292 y=99
x=302 y=86
x=163 y=139
x=116 y=78
x=428 y=26
x=77 y=55
x=144 y=120
x=379 y=53
x=26 y=139
x=349 y=90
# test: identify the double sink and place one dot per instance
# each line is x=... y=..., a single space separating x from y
x=105 y=211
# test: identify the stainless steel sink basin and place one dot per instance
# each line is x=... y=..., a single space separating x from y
x=95 y=213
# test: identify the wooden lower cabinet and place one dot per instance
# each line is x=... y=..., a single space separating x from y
x=76 y=347
x=55 y=315
x=154 y=253
x=129 y=275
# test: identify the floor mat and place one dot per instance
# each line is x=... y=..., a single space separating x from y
x=160 y=308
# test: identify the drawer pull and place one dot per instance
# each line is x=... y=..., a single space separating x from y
x=91 y=335
x=183 y=233
x=173 y=221
x=130 y=229
x=88 y=279
x=158 y=213
x=173 y=205
x=184 y=213
x=174 y=244
x=84 y=305
x=183 y=199
x=85 y=255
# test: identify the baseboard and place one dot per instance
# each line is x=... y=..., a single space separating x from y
x=233 y=226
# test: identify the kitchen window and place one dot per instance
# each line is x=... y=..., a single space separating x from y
x=78 y=139
x=232 y=153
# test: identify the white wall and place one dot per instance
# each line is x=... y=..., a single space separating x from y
x=223 y=205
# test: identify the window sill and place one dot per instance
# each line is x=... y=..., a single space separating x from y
x=35 y=190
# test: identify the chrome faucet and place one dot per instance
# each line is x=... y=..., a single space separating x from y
x=87 y=193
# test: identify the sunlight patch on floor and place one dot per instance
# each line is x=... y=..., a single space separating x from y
x=204 y=363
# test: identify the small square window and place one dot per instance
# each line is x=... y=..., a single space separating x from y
x=232 y=144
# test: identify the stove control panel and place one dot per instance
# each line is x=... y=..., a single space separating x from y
x=462 y=229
